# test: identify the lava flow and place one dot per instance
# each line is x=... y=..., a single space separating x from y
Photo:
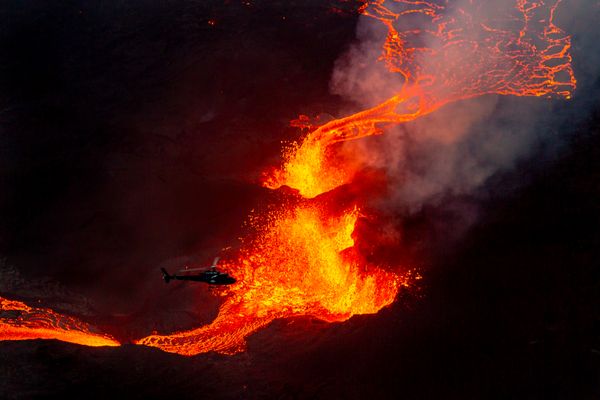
x=18 y=321
x=466 y=50
x=301 y=259
x=302 y=262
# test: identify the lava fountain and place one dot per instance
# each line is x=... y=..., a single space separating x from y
x=302 y=258
x=301 y=262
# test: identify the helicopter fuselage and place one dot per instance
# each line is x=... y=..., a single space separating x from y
x=210 y=277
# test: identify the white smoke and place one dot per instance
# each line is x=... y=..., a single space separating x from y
x=457 y=149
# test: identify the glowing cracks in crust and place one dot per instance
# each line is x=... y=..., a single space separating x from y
x=515 y=50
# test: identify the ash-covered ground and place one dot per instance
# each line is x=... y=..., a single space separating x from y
x=132 y=136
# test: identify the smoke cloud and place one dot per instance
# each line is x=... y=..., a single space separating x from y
x=457 y=150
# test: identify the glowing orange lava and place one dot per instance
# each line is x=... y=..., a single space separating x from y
x=18 y=321
x=301 y=263
x=515 y=49
x=302 y=259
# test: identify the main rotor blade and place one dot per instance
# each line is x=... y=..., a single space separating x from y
x=191 y=270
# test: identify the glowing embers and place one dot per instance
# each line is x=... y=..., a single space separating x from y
x=301 y=262
x=21 y=322
x=440 y=52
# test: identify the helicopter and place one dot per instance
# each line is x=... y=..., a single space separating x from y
x=212 y=276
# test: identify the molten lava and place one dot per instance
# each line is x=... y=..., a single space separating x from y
x=302 y=259
x=462 y=53
x=300 y=263
x=18 y=321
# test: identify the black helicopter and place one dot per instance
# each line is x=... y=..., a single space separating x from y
x=211 y=276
